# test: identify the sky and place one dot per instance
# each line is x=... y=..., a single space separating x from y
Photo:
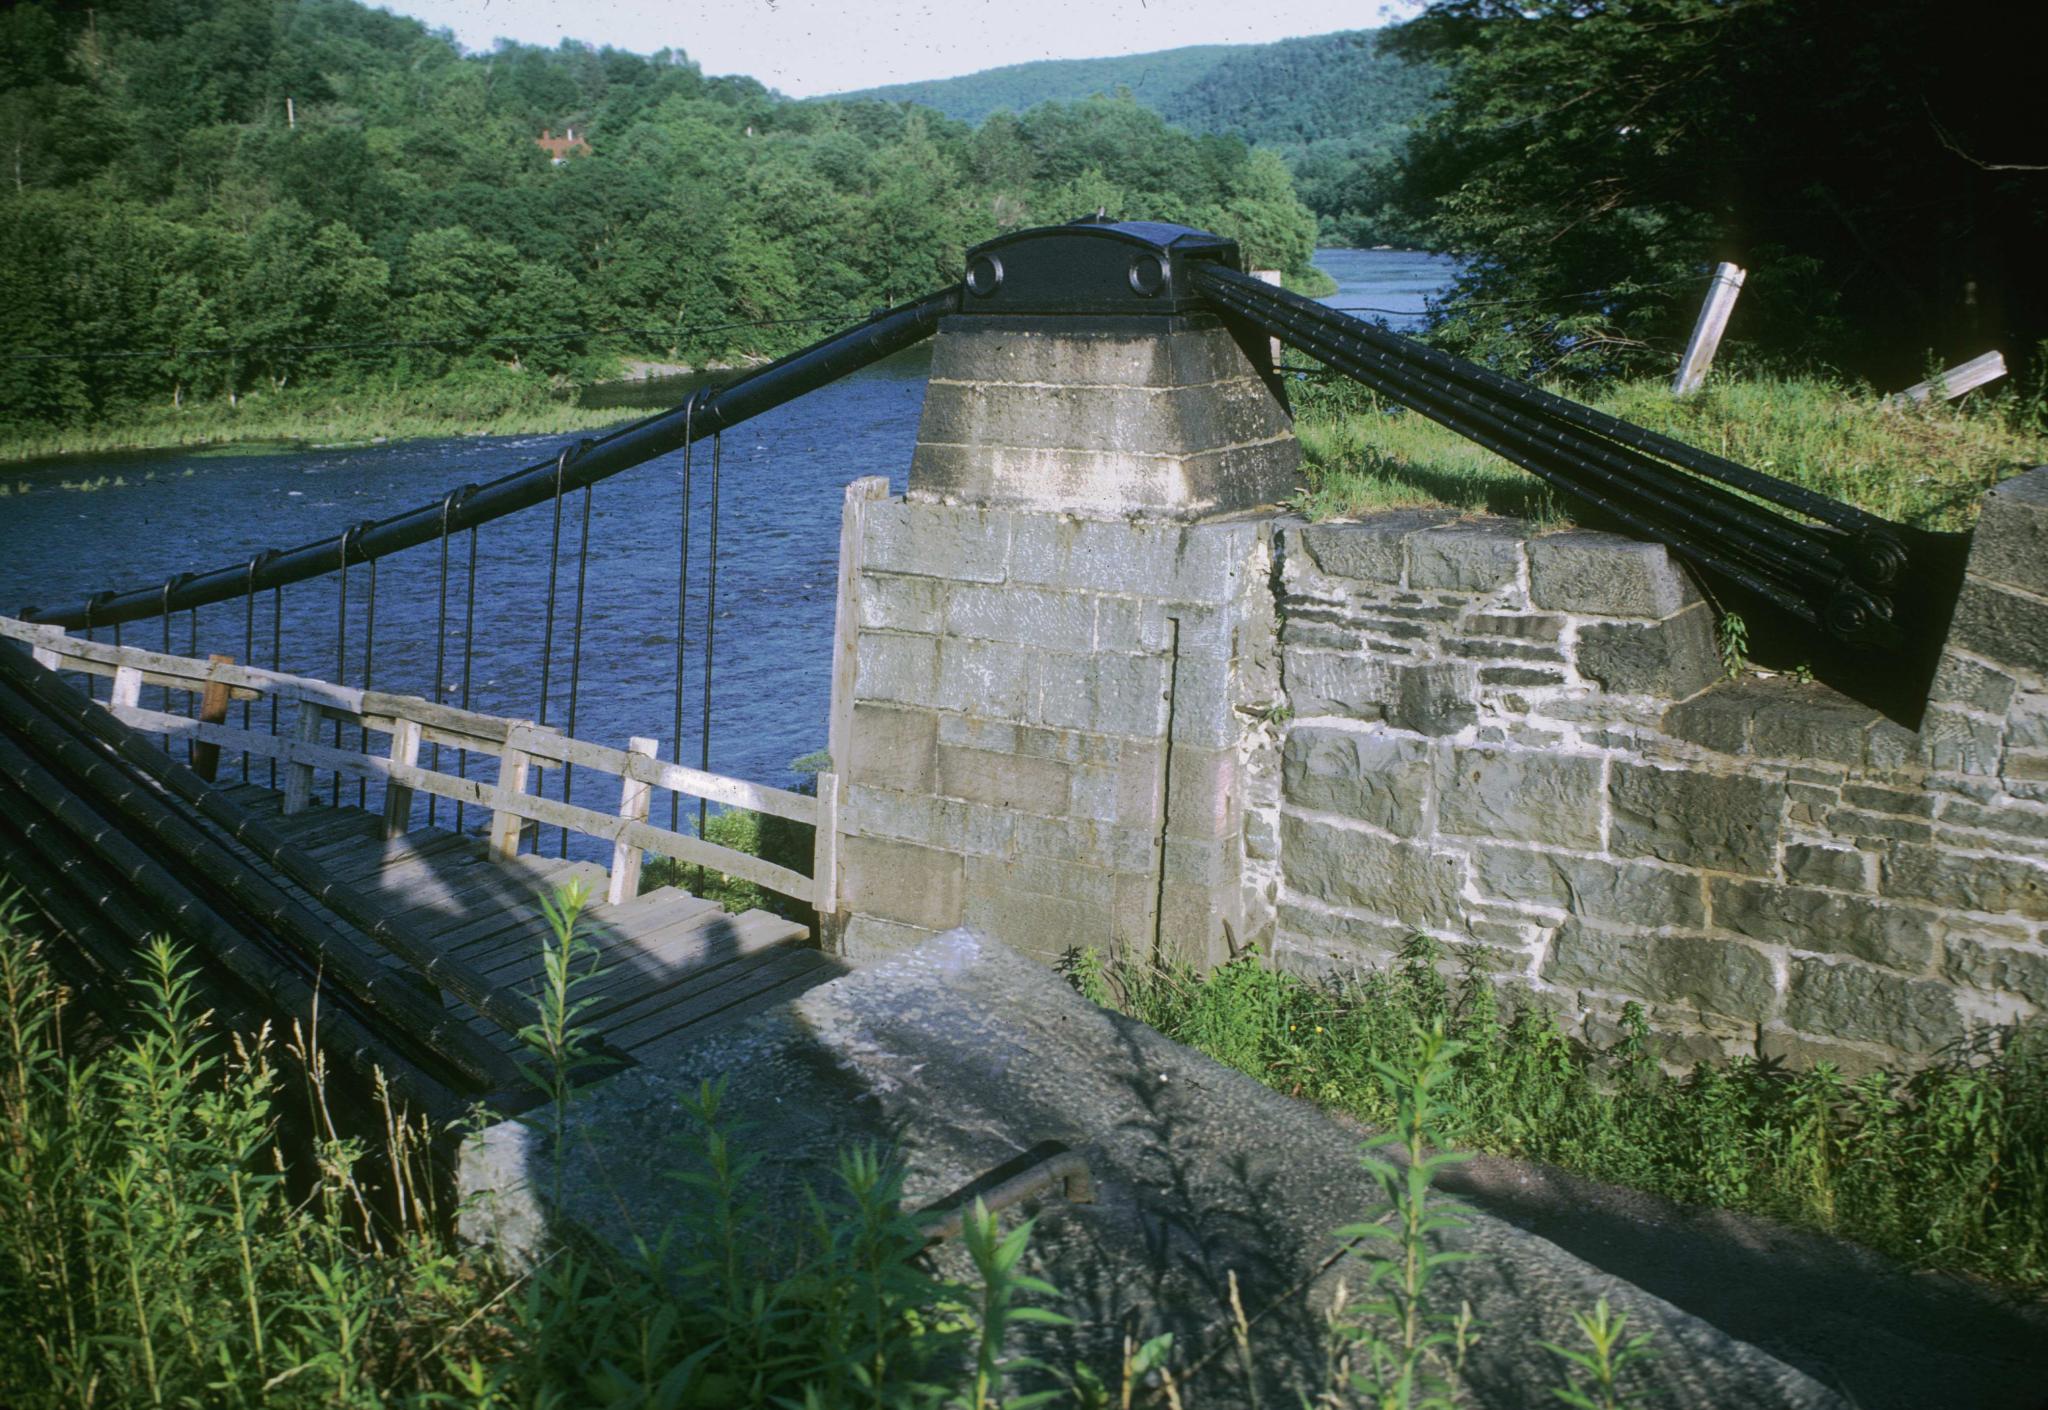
x=808 y=47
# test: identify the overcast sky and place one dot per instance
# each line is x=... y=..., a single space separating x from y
x=807 y=47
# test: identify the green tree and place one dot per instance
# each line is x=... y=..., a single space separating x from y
x=1859 y=159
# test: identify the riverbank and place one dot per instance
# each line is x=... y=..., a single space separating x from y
x=1922 y=465
x=488 y=405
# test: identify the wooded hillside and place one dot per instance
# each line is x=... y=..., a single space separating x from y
x=1337 y=107
x=206 y=197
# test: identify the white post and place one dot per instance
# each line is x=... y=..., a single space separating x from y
x=623 y=884
x=298 y=777
x=405 y=749
x=1963 y=377
x=825 y=849
x=514 y=767
x=1706 y=333
x=127 y=693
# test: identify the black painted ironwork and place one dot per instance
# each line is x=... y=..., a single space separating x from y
x=1873 y=596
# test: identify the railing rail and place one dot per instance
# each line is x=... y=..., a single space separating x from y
x=407 y=721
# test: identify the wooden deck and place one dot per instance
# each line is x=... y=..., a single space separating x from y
x=672 y=966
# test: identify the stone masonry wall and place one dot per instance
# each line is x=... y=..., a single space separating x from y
x=1521 y=744
x=1046 y=730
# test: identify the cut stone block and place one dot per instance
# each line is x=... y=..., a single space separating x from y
x=1606 y=575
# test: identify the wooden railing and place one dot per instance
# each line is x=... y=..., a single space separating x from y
x=407 y=722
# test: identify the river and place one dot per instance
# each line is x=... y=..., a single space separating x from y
x=780 y=478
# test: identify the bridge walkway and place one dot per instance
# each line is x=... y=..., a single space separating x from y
x=412 y=948
x=669 y=966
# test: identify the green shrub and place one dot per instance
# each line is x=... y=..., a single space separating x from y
x=155 y=1250
x=1942 y=1168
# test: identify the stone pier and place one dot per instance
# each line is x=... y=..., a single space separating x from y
x=1065 y=642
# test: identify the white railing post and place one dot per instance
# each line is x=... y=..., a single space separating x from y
x=825 y=850
x=298 y=776
x=514 y=767
x=127 y=692
x=405 y=751
x=623 y=883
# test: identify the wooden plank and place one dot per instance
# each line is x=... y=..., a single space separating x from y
x=725 y=988
x=179 y=672
x=1707 y=330
x=370 y=859
x=325 y=832
x=1963 y=377
x=800 y=981
x=662 y=842
x=473 y=724
x=482 y=936
x=623 y=882
x=697 y=994
x=471 y=728
x=478 y=934
x=714 y=939
x=127 y=692
x=486 y=744
x=454 y=898
x=733 y=792
x=684 y=936
x=405 y=751
x=846 y=617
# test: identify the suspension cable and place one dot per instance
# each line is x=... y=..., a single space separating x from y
x=710 y=627
x=675 y=751
x=889 y=331
x=576 y=661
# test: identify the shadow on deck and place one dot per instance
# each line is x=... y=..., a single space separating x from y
x=670 y=966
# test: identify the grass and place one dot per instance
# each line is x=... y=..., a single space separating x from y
x=169 y=1237
x=182 y=1222
x=1925 y=466
x=1946 y=1168
x=476 y=403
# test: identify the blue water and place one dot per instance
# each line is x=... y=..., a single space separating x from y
x=1394 y=285
x=781 y=477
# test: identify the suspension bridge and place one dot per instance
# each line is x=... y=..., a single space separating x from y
x=368 y=861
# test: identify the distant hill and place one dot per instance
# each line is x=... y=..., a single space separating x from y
x=1332 y=104
x=1152 y=79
